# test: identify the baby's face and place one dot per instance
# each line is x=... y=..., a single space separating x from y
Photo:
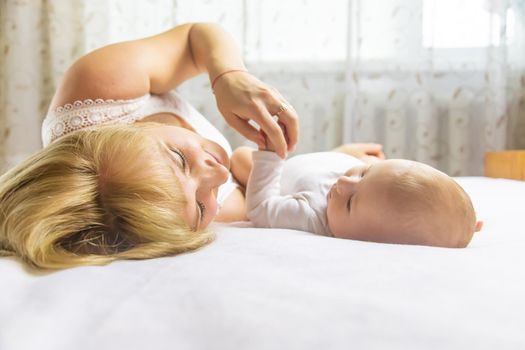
x=361 y=204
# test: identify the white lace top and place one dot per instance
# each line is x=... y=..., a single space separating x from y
x=89 y=114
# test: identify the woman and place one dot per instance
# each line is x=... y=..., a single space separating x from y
x=130 y=170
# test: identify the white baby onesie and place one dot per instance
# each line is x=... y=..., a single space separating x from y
x=292 y=194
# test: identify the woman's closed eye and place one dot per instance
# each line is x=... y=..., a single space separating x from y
x=182 y=159
x=184 y=166
x=202 y=210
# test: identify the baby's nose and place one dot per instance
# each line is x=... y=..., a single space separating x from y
x=346 y=184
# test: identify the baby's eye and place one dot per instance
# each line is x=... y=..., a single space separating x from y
x=349 y=203
x=363 y=173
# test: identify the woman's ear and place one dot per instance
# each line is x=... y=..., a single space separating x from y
x=479 y=226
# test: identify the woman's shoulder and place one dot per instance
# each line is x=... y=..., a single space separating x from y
x=130 y=69
x=104 y=75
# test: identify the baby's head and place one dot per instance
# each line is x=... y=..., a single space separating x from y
x=401 y=201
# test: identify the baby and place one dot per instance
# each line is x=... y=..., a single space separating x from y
x=369 y=199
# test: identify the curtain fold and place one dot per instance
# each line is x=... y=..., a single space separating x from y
x=445 y=106
x=405 y=73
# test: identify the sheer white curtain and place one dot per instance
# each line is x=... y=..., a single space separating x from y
x=439 y=81
x=40 y=39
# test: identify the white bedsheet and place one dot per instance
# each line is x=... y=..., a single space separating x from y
x=281 y=289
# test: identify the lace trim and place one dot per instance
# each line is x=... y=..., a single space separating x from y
x=97 y=102
x=88 y=114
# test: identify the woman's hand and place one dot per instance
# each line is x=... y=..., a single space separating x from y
x=368 y=152
x=241 y=97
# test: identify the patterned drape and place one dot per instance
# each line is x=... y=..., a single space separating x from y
x=428 y=100
x=355 y=70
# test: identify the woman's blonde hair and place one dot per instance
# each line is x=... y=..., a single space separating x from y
x=92 y=197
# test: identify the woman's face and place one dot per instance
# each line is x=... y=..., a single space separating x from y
x=200 y=165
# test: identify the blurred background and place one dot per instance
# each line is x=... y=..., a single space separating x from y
x=438 y=81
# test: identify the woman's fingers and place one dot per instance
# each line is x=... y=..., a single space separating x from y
x=244 y=128
x=272 y=130
x=241 y=97
x=289 y=119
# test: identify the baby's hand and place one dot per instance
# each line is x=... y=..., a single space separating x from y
x=370 y=159
x=363 y=151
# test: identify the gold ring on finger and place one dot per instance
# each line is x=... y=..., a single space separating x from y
x=283 y=107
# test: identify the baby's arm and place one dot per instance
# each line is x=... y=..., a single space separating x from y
x=241 y=164
x=265 y=206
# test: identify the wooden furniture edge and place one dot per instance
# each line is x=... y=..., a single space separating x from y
x=505 y=164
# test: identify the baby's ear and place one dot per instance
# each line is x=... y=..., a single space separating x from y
x=479 y=226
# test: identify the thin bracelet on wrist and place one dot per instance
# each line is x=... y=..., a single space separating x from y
x=214 y=81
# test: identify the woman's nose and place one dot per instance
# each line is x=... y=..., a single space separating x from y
x=212 y=174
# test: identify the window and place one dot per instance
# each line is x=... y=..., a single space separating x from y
x=297 y=30
x=463 y=24
x=397 y=32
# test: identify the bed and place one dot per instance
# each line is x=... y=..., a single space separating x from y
x=283 y=289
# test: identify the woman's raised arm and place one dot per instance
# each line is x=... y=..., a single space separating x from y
x=160 y=63
x=130 y=69
x=240 y=96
